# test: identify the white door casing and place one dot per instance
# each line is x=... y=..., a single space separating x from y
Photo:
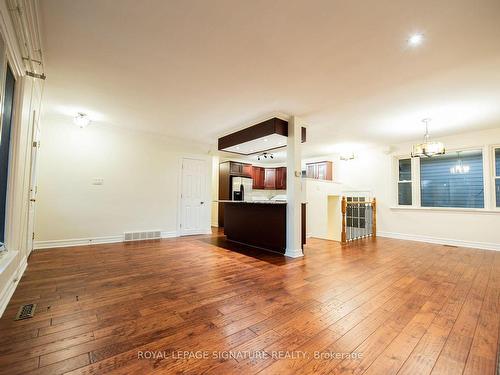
x=35 y=146
x=195 y=195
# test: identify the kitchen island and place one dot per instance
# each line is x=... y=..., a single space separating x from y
x=259 y=224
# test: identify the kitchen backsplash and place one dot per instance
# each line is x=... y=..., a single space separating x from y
x=266 y=194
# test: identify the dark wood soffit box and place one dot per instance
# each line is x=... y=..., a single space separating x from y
x=268 y=127
x=262 y=129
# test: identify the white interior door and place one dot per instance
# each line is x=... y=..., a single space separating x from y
x=35 y=146
x=195 y=208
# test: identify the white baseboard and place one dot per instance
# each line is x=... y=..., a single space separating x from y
x=39 y=245
x=170 y=234
x=441 y=241
x=11 y=285
x=294 y=253
x=215 y=224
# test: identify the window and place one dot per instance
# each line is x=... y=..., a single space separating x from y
x=404 y=182
x=452 y=180
x=497 y=177
x=8 y=100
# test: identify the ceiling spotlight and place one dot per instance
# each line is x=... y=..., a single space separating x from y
x=265 y=155
x=81 y=120
x=415 y=39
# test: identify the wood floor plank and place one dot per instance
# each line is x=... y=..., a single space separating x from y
x=453 y=356
x=409 y=307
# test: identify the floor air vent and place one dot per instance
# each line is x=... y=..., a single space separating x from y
x=26 y=311
x=139 y=236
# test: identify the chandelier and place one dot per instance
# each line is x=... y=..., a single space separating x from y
x=460 y=167
x=427 y=148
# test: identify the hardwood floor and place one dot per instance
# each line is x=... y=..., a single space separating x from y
x=375 y=307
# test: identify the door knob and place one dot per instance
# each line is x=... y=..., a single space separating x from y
x=202 y=202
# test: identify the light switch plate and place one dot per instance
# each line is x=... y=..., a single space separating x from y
x=98 y=181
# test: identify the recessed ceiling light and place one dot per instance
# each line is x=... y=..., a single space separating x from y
x=265 y=139
x=415 y=39
x=237 y=147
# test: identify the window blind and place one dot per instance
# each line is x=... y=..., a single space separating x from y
x=497 y=175
x=497 y=189
x=442 y=188
x=497 y=162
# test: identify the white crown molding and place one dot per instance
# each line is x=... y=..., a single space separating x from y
x=441 y=241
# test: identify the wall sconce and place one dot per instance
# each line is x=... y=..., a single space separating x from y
x=347 y=156
x=81 y=120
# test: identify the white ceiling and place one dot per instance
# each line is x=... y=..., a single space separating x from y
x=200 y=69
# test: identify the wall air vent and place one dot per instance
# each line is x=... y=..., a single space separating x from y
x=140 y=236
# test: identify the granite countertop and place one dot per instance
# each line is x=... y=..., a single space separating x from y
x=252 y=202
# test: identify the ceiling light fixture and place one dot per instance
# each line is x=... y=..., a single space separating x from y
x=427 y=147
x=415 y=39
x=460 y=167
x=265 y=155
x=82 y=120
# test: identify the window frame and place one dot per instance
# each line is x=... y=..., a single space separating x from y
x=494 y=177
x=398 y=181
x=488 y=154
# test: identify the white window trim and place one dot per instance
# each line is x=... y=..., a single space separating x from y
x=488 y=153
x=396 y=174
x=493 y=177
x=415 y=189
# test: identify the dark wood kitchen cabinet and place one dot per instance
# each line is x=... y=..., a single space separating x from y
x=270 y=178
x=320 y=170
x=240 y=169
x=281 y=178
x=247 y=170
x=258 y=176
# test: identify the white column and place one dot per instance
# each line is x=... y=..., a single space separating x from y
x=293 y=189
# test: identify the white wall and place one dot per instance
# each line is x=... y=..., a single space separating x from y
x=317 y=209
x=140 y=173
x=373 y=170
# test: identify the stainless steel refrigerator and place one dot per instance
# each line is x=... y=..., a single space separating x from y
x=241 y=188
